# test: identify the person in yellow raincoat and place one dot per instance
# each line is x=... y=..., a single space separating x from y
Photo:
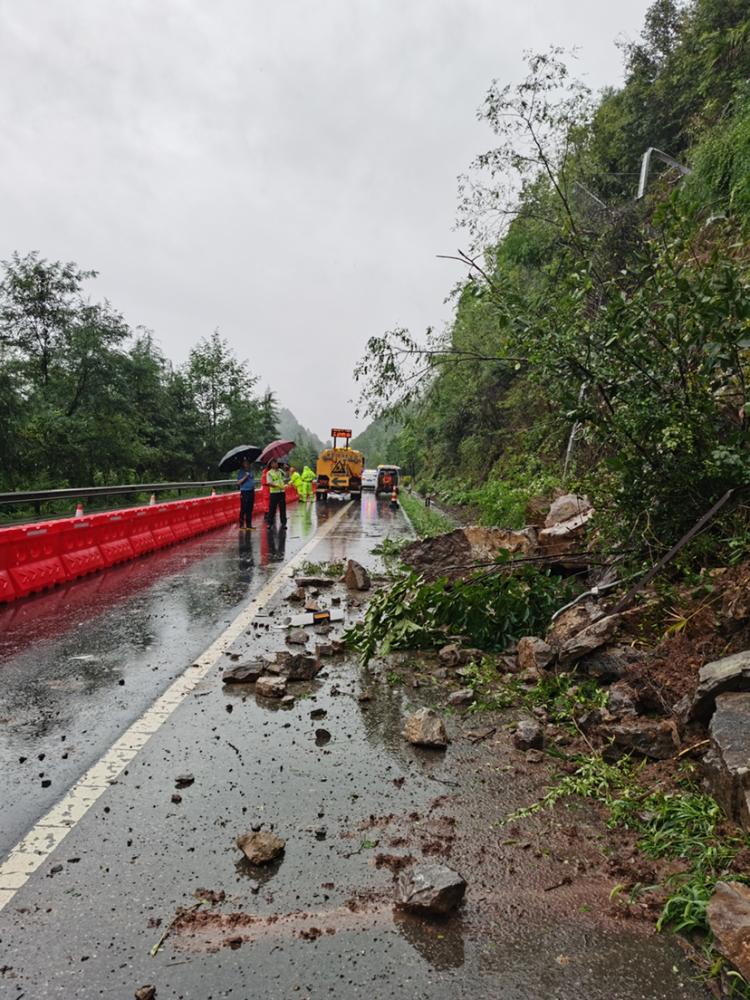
x=307 y=480
x=296 y=480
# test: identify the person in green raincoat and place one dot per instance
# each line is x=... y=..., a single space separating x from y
x=307 y=480
x=296 y=480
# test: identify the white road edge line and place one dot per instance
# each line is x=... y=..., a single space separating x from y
x=44 y=838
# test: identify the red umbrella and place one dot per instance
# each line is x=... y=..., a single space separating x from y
x=276 y=449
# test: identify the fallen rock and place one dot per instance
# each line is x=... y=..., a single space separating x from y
x=455 y=554
x=145 y=993
x=565 y=542
x=335 y=601
x=183 y=780
x=463 y=697
x=449 y=656
x=365 y=695
x=300 y=667
x=297 y=596
x=425 y=728
x=324 y=649
x=732 y=673
x=288 y=700
x=260 y=847
x=726 y=766
x=728 y=916
x=270 y=687
x=338 y=646
x=314 y=581
x=622 y=699
x=243 y=673
x=567 y=507
x=528 y=735
x=311 y=605
x=534 y=756
x=356 y=577
x=533 y=652
x=471 y=655
x=297 y=637
x=589 y=720
x=570 y=622
x=658 y=740
x=429 y=889
x=589 y=639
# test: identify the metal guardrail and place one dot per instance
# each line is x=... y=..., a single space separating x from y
x=39 y=496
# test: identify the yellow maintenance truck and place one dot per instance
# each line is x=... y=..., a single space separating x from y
x=340 y=468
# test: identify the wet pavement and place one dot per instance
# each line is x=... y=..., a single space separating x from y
x=318 y=922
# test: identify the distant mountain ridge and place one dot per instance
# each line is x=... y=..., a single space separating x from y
x=292 y=429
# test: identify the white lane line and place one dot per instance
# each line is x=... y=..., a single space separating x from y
x=47 y=835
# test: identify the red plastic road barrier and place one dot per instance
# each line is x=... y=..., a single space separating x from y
x=114 y=544
x=36 y=556
x=78 y=549
x=33 y=557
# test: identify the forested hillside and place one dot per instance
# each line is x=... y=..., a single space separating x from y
x=600 y=340
x=85 y=400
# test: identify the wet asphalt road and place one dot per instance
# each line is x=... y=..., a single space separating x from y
x=86 y=930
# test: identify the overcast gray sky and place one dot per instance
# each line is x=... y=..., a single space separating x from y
x=284 y=172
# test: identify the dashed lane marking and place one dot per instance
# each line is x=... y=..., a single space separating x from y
x=44 y=838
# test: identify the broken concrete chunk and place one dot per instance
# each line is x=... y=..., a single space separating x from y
x=728 y=916
x=658 y=740
x=528 y=735
x=726 y=766
x=260 y=847
x=463 y=697
x=429 y=889
x=270 y=687
x=589 y=639
x=357 y=577
x=732 y=673
x=533 y=652
x=243 y=673
x=425 y=728
x=297 y=637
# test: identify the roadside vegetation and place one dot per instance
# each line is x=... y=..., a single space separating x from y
x=600 y=346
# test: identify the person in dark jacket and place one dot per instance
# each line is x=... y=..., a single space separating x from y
x=246 y=483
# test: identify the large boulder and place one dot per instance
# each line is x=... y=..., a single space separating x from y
x=426 y=728
x=455 y=554
x=429 y=889
x=357 y=577
x=535 y=653
x=728 y=916
x=732 y=673
x=658 y=740
x=588 y=639
x=261 y=846
x=566 y=508
x=726 y=766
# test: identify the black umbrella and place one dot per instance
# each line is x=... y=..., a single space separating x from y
x=232 y=461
